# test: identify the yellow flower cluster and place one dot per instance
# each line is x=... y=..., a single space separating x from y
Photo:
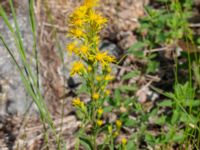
x=99 y=122
x=118 y=123
x=93 y=65
x=91 y=3
x=115 y=131
x=78 y=67
x=100 y=112
x=95 y=96
x=85 y=24
x=78 y=103
x=124 y=141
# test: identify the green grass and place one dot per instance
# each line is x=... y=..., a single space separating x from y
x=29 y=76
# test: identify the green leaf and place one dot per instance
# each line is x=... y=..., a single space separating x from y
x=196 y=69
x=184 y=118
x=127 y=88
x=161 y=120
x=175 y=116
x=169 y=135
x=117 y=97
x=131 y=74
x=154 y=112
x=131 y=145
x=108 y=109
x=138 y=53
x=188 y=119
x=136 y=49
x=128 y=102
x=86 y=142
x=130 y=123
x=152 y=66
x=64 y=146
x=150 y=138
x=178 y=137
x=165 y=103
x=192 y=103
x=80 y=114
x=198 y=40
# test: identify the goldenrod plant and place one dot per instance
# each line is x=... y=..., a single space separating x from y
x=94 y=67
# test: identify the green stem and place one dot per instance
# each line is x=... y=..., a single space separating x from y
x=94 y=141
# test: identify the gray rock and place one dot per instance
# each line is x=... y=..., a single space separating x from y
x=16 y=100
x=112 y=48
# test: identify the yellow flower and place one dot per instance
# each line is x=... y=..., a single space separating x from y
x=100 y=112
x=91 y=58
x=96 y=40
x=96 y=18
x=110 y=129
x=99 y=122
x=98 y=78
x=95 y=96
x=76 y=102
x=79 y=13
x=107 y=68
x=100 y=21
x=78 y=33
x=92 y=16
x=103 y=87
x=78 y=22
x=104 y=58
x=101 y=57
x=78 y=68
x=72 y=47
x=109 y=77
x=107 y=92
x=91 y=3
x=116 y=133
x=118 y=124
x=110 y=59
x=84 y=50
x=124 y=141
x=89 y=69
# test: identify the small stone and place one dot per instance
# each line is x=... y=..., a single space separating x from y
x=11 y=108
x=112 y=48
x=127 y=39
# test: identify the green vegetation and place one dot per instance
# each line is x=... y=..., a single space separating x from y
x=179 y=122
